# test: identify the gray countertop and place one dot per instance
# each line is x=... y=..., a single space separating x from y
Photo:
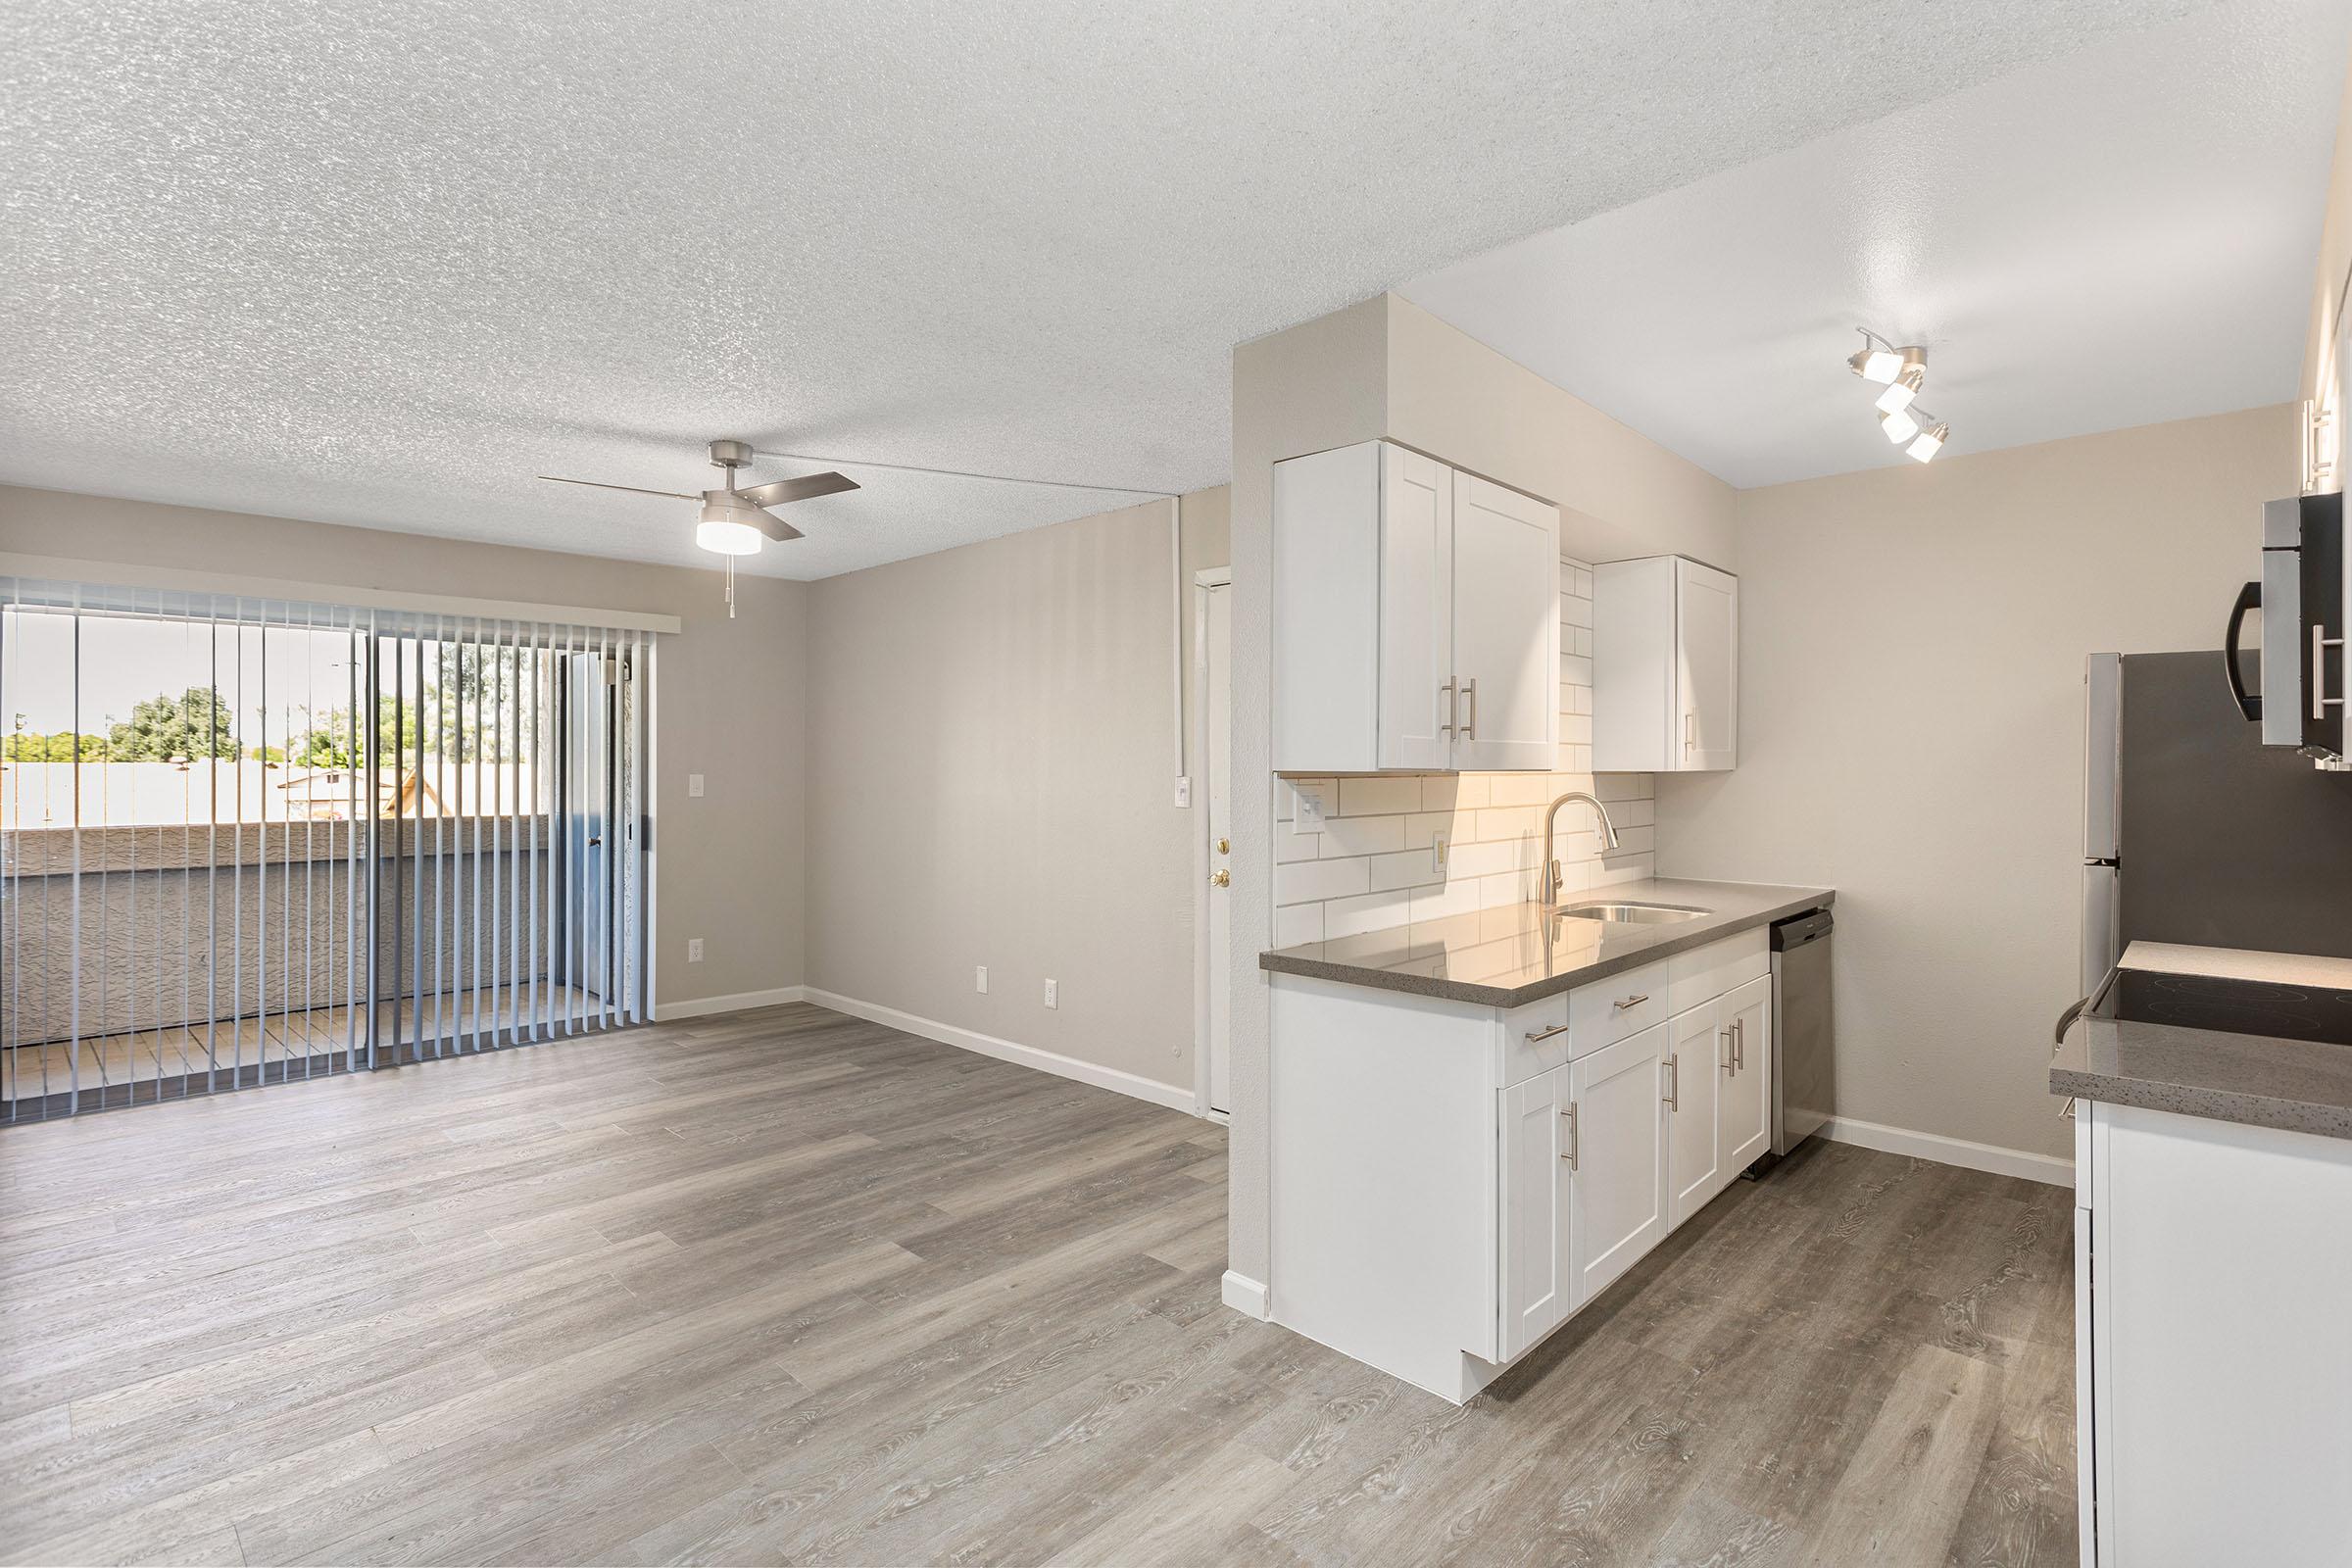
x=1507 y=957
x=2264 y=1081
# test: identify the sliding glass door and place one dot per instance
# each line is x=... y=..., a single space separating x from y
x=243 y=842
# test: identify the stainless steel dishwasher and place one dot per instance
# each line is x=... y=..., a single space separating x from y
x=1804 y=1059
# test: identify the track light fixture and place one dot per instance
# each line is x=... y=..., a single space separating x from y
x=1902 y=372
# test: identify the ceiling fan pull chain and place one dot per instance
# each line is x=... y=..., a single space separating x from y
x=731 y=587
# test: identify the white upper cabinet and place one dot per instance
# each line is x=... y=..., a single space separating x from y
x=1665 y=667
x=1506 y=628
x=1416 y=618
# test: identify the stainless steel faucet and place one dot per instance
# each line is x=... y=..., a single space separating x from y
x=1551 y=893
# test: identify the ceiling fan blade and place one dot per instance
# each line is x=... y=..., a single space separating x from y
x=776 y=492
x=598 y=484
x=776 y=527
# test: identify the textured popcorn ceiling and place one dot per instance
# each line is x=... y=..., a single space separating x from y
x=380 y=264
x=2122 y=236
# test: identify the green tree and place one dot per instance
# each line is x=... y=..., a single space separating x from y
x=164 y=728
x=57 y=748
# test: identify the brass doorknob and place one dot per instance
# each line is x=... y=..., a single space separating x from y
x=1222 y=879
x=1224 y=845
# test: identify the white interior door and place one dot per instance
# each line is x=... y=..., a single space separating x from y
x=1216 y=692
x=1746 y=1112
x=1416 y=612
x=1506 y=626
x=1697 y=1063
x=1617 y=1195
x=1708 y=669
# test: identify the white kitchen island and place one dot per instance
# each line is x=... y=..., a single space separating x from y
x=1479 y=1123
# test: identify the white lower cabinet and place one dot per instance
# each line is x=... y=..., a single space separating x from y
x=1451 y=1183
x=1538 y=1143
x=1744 y=1112
x=1617 y=1182
x=2213 y=1418
x=1694 y=1170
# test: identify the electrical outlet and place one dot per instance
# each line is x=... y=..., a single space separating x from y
x=1308 y=815
x=694 y=950
x=1053 y=992
x=980 y=978
x=694 y=785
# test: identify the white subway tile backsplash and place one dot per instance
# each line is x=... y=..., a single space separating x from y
x=1375 y=865
x=1375 y=911
x=1297 y=923
x=1367 y=797
x=1289 y=846
x=1362 y=835
x=1312 y=881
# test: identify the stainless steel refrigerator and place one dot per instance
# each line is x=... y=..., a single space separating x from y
x=2194 y=831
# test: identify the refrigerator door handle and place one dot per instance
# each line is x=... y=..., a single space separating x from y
x=2249 y=598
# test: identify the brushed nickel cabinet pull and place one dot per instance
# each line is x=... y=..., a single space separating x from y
x=1739 y=1045
x=1674 y=1093
x=1470 y=690
x=2321 y=642
x=1631 y=1001
x=1538 y=1036
x=1452 y=703
x=1570 y=1113
x=1731 y=1060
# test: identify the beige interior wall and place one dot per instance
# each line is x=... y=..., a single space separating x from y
x=729 y=694
x=1620 y=493
x=992 y=774
x=1912 y=643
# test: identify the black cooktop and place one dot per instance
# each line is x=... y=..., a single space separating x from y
x=2228 y=1007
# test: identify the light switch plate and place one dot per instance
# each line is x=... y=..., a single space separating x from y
x=1053 y=992
x=1183 y=792
x=694 y=785
x=980 y=978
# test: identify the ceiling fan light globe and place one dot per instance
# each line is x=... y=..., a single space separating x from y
x=726 y=536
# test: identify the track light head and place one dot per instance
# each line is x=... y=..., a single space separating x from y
x=1930 y=441
x=1902 y=389
x=1899 y=426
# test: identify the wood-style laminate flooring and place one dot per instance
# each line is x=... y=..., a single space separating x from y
x=787 y=1286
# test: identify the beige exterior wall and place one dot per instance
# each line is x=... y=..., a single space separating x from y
x=729 y=694
x=992 y=770
x=1912 y=644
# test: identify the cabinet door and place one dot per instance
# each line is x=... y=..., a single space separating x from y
x=1746 y=1110
x=1697 y=1055
x=1506 y=627
x=1533 y=1144
x=1617 y=1181
x=1707 y=667
x=1416 y=612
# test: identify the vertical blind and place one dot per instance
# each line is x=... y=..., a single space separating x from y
x=244 y=841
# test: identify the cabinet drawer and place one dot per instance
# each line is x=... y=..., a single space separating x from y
x=1534 y=1039
x=1704 y=973
x=1605 y=1012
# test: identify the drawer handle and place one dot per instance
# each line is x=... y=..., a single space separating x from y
x=1731 y=1057
x=1631 y=1001
x=1739 y=1044
x=1539 y=1036
x=1570 y=1113
x=1674 y=1071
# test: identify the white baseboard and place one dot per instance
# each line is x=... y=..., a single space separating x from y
x=1246 y=1295
x=1012 y=1050
x=699 y=1006
x=2054 y=1169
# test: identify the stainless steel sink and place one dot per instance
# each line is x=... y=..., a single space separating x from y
x=1633 y=914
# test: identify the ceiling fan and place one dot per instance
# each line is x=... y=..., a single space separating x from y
x=733 y=522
